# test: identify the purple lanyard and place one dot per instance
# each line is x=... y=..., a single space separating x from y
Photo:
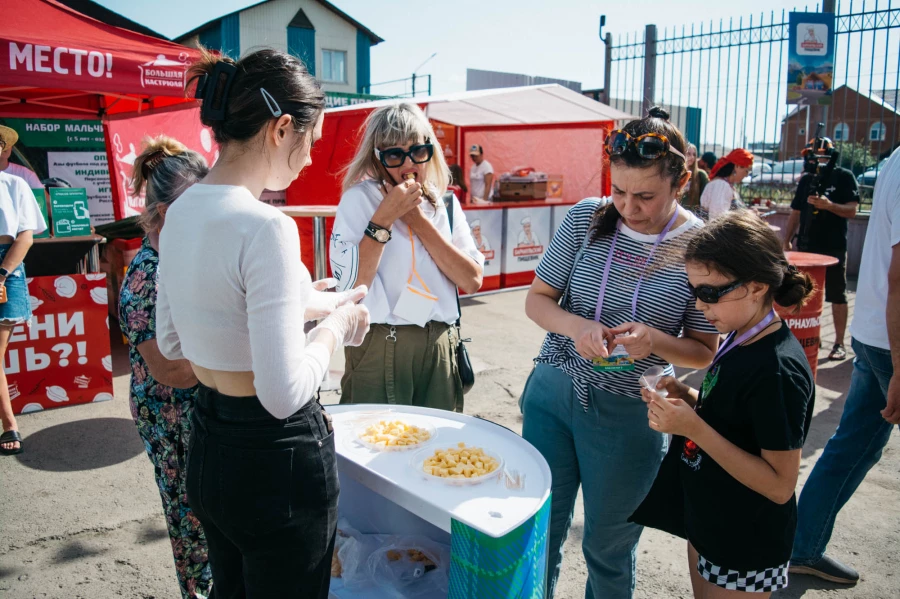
x=637 y=288
x=731 y=342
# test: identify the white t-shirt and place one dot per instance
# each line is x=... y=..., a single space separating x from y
x=476 y=179
x=26 y=173
x=18 y=208
x=717 y=198
x=870 y=315
x=232 y=292
x=356 y=209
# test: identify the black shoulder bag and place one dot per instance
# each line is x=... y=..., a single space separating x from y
x=463 y=363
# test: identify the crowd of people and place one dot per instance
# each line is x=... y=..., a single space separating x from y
x=224 y=385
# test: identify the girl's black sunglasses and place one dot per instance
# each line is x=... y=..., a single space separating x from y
x=711 y=295
x=395 y=157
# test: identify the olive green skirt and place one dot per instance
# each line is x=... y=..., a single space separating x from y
x=405 y=365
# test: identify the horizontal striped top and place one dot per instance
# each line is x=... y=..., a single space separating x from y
x=664 y=303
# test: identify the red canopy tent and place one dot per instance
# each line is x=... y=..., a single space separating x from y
x=58 y=63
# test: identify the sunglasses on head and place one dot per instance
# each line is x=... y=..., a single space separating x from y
x=395 y=157
x=709 y=294
x=649 y=146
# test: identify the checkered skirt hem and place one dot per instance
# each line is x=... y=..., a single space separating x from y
x=754 y=581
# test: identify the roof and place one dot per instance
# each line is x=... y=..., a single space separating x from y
x=871 y=97
x=368 y=32
x=105 y=15
x=532 y=105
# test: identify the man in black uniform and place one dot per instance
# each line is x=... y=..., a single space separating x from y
x=823 y=227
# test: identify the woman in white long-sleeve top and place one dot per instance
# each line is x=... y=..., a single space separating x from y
x=233 y=298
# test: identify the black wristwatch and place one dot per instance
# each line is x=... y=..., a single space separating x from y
x=4 y=273
x=378 y=233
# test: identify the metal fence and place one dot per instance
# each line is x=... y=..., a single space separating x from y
x=726 y=83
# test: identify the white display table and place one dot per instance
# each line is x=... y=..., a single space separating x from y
x=497 y=534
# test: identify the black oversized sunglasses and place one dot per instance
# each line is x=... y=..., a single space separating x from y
x=395 y=157
x=711 y=295
x=649 y=146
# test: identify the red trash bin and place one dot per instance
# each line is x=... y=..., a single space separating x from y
x=806 y=323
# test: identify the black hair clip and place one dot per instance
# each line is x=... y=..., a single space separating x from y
x=215 y=89
x=200 y=90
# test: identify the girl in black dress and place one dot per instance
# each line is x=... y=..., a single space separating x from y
x=727 y=482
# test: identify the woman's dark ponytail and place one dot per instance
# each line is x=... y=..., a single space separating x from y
x=795 y=289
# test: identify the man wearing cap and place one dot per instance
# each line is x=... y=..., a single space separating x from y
x=822 y=221
x=8 y=138
x=481 y=176
x=527 y=238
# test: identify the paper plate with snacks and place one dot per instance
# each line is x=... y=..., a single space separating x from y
x=394 y=433
x=459 y=464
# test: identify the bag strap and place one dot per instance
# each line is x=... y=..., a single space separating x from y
x=449 y=200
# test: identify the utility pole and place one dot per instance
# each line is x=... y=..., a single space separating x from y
x=649 y=69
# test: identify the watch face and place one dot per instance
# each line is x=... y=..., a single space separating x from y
x=382 y=235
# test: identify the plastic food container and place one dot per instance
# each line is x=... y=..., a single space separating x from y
x=417 y=463
x=360 y=429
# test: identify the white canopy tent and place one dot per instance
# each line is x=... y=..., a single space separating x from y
x=532 y=105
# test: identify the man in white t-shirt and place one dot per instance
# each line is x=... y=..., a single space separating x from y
x=872 y=407
x=8 y=138
x=481 y=175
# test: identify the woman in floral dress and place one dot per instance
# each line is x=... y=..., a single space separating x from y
x=163 y=391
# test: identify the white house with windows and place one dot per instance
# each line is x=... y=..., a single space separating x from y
x=334 y=46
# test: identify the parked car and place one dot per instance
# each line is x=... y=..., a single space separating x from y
x=786 y=172
x=758 y=169
x=868 y=178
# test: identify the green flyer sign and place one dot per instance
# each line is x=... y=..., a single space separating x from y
x=41 y=198
x=58 y=133
x=69 y=207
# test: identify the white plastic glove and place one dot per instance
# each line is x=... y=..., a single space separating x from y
x=348 y=323
x=322 y=303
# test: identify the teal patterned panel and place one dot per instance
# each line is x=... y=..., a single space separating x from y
x=511 y=567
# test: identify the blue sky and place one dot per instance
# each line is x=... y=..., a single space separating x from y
x=560 y=40
x=742 y=97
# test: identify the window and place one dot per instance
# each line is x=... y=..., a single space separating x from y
x=334 y=66
x=841 y=132
x=876 y=133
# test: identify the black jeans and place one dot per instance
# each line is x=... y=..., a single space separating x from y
x=265 y=491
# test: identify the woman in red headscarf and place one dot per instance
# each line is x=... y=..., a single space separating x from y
x=720 y=194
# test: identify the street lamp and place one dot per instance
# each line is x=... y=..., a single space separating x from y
x=417 y=70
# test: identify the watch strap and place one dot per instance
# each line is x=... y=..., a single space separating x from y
x=372 y=231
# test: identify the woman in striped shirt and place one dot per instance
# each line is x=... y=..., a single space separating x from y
x=618 y=268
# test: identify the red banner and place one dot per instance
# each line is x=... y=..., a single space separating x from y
x=63 y=358
x=124 y=140
x=45 y=44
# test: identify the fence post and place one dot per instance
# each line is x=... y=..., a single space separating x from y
x=819 y=114
x=649 y=68
x=606 y=98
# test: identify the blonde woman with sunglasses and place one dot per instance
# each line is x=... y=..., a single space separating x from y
x=393 y=234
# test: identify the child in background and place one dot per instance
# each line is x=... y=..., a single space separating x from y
x=727 y=483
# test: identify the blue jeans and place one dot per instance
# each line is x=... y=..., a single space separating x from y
x=610 y=452
x=849 y=455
